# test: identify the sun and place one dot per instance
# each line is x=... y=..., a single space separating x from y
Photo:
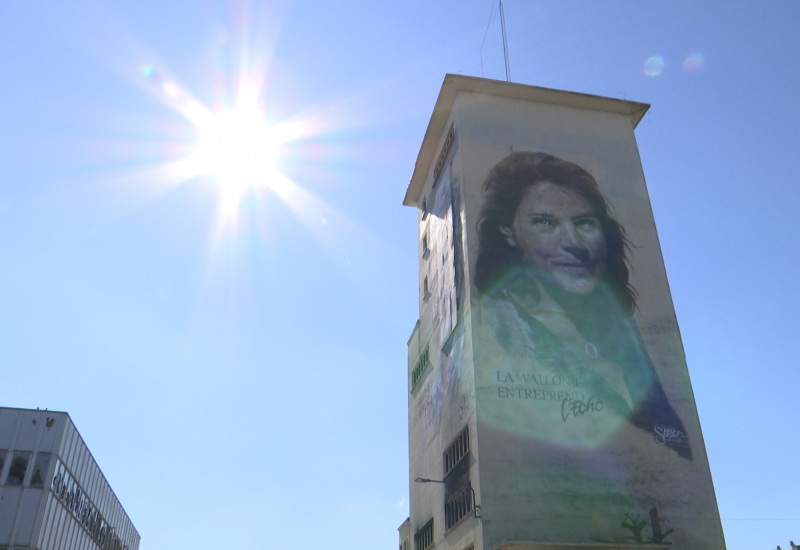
x=238 y=150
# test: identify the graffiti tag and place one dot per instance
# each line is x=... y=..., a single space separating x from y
x=577 y=407
x=665 y=434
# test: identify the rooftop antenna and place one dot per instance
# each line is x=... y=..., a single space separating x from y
x=505 y=42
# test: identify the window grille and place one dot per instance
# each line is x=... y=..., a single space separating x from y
x=457 y=506
x=419 y=368
x=457 y=450
x=423 y=538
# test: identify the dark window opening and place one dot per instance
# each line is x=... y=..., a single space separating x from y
x=458 y=494
x=423 y=538
x=40 y=469
x=457 y=507
x=19 y=466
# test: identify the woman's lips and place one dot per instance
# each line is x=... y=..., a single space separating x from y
x=576 y=268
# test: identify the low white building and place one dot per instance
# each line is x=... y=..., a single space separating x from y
x=53 y=495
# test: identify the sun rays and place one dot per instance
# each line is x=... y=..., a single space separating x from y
x=240 y=139
x=235 y=146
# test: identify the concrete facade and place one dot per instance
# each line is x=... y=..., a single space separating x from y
x=53 y=495
x=495 y=461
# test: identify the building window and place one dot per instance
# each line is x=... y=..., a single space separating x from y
x=19 y=466
x=426 y=292
x=40 y=469
x=419 y=368
x=457 y=506
x=423 y=538
x=426 y=251
x=424 y=209
x=457 y=450
x=457 y=485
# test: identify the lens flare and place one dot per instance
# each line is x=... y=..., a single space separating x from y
x=694 y=62
x=653 y=66
x=171 y=89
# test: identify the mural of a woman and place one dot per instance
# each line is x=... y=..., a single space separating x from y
x=554 y=283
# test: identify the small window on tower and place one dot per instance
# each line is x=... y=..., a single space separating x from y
x=419 y=368
x=423 y=538
x=458 y=495
x=457 y=450
x=426 y=250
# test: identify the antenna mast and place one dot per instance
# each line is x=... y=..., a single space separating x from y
x=505 y=42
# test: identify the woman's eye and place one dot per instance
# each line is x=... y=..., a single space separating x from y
x=587 y=223
x=542 y=222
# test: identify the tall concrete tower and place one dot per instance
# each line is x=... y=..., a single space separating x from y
x=549 y=401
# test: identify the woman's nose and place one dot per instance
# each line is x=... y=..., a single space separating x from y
x=570 y=237
x=572 y=243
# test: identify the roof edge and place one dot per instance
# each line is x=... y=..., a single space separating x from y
x=453 y=84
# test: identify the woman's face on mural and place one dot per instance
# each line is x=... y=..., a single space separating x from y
x=556 y=231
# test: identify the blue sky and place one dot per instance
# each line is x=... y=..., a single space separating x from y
x=240 y=373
